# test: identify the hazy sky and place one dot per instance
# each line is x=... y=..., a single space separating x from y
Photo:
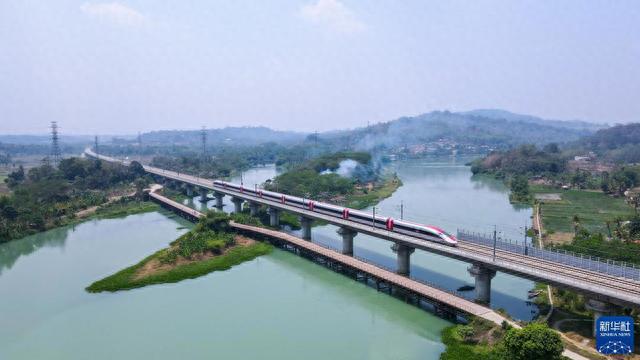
x=139 y=65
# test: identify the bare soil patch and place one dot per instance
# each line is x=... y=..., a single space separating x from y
x=549 y=197
x=559 y=238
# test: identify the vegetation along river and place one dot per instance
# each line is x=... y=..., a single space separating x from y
x=277 y=306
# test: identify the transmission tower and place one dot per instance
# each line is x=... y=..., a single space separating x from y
x=95 y=144
x=203 y=138
x=55 y=145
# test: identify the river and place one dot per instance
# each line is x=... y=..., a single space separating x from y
x=278 y=306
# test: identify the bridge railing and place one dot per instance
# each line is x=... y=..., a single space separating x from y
x=582 y=261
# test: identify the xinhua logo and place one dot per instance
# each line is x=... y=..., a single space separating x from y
x=614 y=335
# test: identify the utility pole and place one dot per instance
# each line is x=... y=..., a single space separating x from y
x=373 y=223
x=495 y=239
x=526 y=248
x=401 y=210
x=55 y=145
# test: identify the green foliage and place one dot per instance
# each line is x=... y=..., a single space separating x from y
x=525 y=160
x=520 y=189
x=217 y=221
x=310 y=184
x=533 y=342
x=457 y=348
x=466 y=332
x=311 y=180
x=46 y=196
x=596 y=245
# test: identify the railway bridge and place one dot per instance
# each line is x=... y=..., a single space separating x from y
x=605 y=290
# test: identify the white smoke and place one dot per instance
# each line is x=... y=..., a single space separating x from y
x=346 y=168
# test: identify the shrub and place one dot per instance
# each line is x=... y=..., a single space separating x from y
x=534 y=341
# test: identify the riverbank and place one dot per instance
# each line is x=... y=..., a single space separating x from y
x=209 y=247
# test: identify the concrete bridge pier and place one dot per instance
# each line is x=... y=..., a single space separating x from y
x=599 y=308
x=483 y=276
x=305 y=223
x=347 y=240
x=203 y=195
x=274 y=217
x=218 y=196
x=253 y=208
x=404 y=258
x=189 y=189
x=237 y=204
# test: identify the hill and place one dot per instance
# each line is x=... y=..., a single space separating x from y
x=479 y=130
x=230 y=136
x=620 y=143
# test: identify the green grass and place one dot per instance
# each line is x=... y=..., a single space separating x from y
x=593 y=209
x=123 y=280
x=119 y=209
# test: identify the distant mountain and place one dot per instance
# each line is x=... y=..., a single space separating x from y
x=507 y=115
x=497 y=128
x=228 y=136
x=44 y=139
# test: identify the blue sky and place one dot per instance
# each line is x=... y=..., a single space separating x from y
x=140 y=65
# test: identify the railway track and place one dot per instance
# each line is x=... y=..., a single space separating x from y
x=623 y=284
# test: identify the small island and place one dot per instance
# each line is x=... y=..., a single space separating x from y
x=210 y=246
x=352 y=179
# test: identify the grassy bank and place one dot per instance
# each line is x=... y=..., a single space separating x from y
x=593 y=209
x=123 y=208
x=210 y=246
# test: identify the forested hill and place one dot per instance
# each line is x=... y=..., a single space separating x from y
x=246 y=136
x=475 y=127
x=620 y=143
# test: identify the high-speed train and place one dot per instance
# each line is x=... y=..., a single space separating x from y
x=430 y=233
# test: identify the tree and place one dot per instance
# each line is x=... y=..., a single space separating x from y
x=533 y=342
x=520 y=188
x=214 y=220
x=16 y=177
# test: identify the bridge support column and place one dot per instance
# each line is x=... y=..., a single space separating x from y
x=218 y=196
x=237 y=204
x=189 y=190
x=599 y=308
x=203 y=195
x=253 y=208
x=483 y=276
x=347 y=240
x=404 y=258
x=274 y=217
x=305 y=223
